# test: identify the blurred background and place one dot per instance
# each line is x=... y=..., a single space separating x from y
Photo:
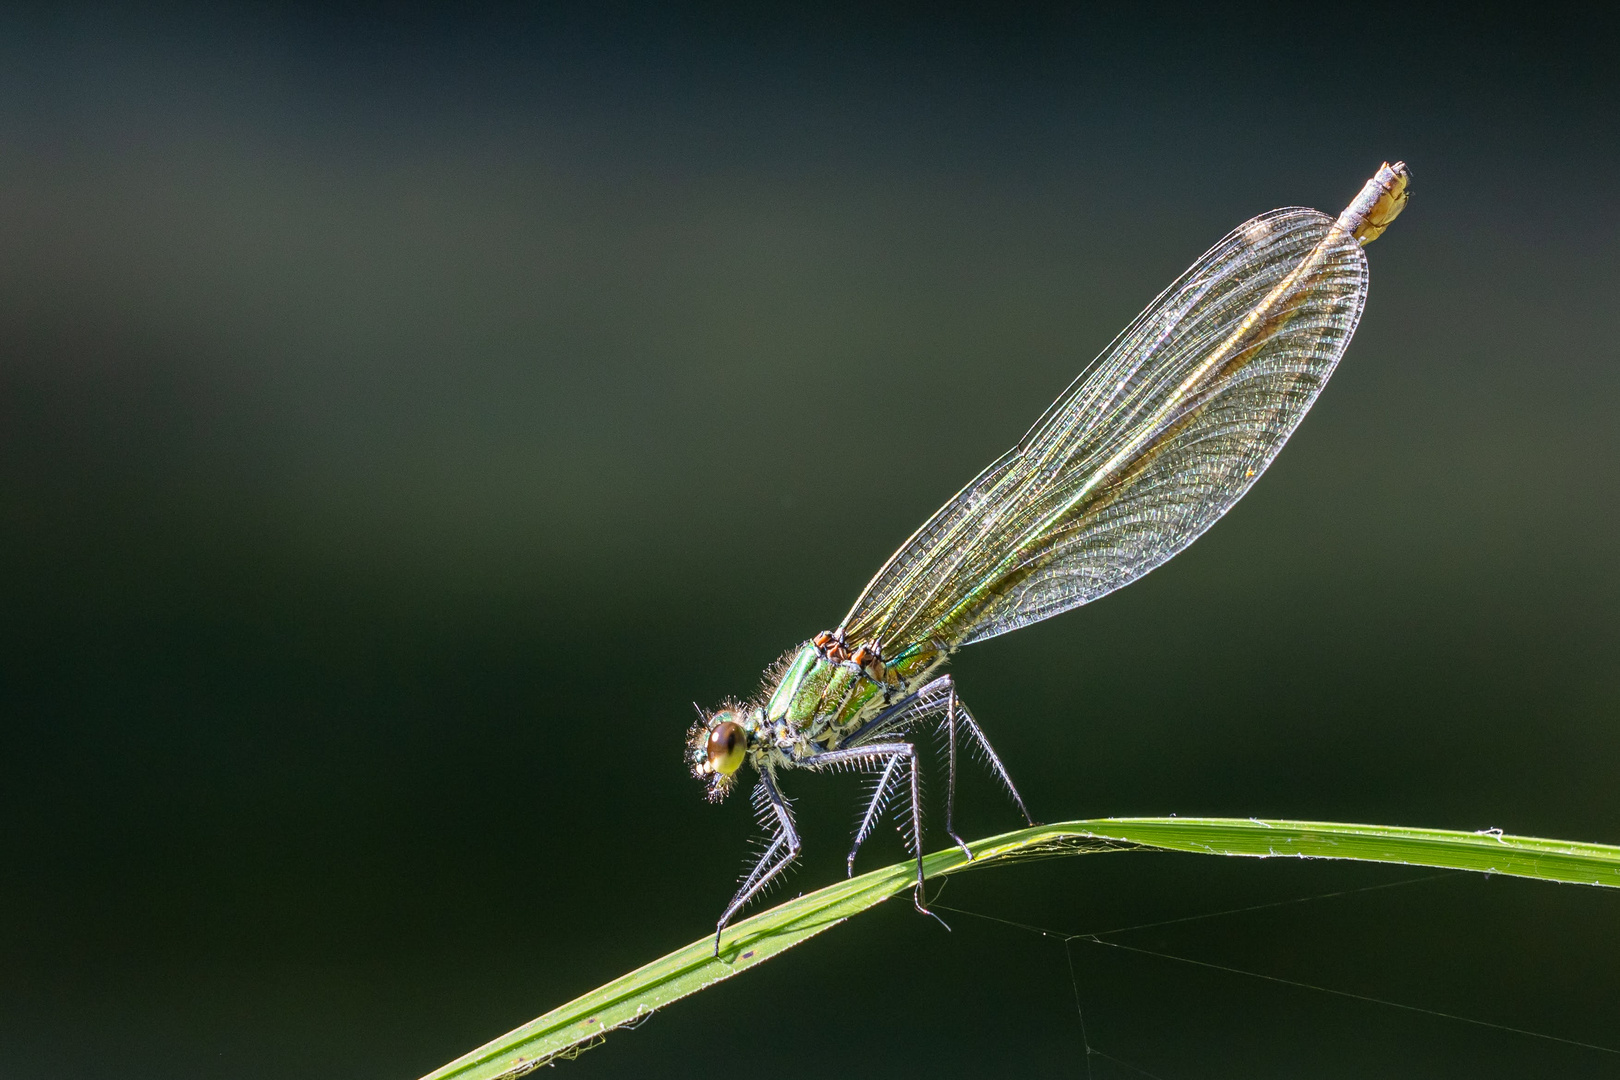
x=404 y=420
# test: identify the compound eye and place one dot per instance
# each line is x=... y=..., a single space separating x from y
x=727 y=744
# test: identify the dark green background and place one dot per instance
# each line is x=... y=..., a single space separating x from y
x=402 y=421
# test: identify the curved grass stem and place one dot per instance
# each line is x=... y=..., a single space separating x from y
x=580 y=1024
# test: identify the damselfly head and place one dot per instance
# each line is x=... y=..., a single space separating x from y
x=716 y=746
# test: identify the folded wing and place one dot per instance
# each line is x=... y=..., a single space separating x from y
x=1157 y=439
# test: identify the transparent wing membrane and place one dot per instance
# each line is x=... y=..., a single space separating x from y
x=1157 y=439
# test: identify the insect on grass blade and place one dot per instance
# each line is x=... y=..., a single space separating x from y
x=1153 y=442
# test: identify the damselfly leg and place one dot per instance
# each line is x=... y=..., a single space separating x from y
x=891 y=754
x=956 y=713
x=783 y=849
x=878 y=746
x=874 y=810
x=937 y=698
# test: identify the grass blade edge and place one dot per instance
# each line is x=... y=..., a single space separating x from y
x=582 y=1023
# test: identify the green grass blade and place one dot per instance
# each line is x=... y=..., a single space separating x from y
x=572 y=1028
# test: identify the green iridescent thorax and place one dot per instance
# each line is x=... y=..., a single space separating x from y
x=821 y=700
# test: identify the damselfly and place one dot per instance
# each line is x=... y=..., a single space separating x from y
x=1146 y=449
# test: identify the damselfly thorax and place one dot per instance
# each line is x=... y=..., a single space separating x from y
x=827 y=691
x=818 y=697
